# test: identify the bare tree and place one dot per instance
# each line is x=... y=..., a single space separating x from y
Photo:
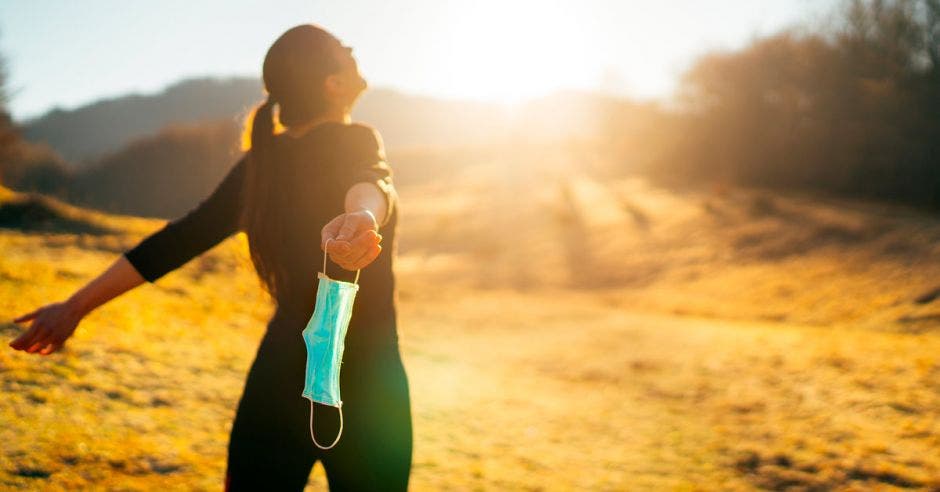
x=932 y=31
x=8 y=136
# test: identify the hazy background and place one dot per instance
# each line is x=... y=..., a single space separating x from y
x=643 y=245
x=488 y=50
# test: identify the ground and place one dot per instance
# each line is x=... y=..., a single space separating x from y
x=559 y=332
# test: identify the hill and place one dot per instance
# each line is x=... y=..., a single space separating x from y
x=84 y=134
x=162 y=175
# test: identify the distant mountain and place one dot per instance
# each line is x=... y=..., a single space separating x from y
x=80 y=135
x=163 y=175
x=84 y=134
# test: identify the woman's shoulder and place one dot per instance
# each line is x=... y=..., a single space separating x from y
x=364 y=141
x=365 y=135
x=351 y=140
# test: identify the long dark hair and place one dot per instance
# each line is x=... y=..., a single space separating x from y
x=295 y=67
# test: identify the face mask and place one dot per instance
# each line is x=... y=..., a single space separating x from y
x=325 y=337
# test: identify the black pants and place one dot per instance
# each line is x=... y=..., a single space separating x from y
x=270 y=446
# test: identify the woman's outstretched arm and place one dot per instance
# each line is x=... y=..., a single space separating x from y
x=178 y=241
x=355 y=234
x=54 y=323
x=369 y=202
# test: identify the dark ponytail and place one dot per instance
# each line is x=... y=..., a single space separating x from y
x=296 y=65
x=259 y=195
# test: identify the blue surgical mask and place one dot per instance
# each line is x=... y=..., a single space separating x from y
x=325 y=336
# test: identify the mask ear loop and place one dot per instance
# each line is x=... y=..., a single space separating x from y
x=338 y=434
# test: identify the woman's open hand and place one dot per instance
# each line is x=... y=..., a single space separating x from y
x=355 y=239
x=52 y=325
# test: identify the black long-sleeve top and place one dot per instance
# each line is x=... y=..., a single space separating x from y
x=319 y=168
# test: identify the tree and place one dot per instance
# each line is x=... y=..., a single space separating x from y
x=853 y=110
x=8 y=135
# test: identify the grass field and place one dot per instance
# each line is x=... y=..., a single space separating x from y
x=570 y=335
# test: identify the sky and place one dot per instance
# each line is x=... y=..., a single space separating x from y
x=62 y=53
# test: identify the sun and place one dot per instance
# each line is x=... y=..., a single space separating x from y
x=509 y=51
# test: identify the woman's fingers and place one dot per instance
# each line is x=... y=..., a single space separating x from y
x=362 y=260
x=364 y=246
x=349 y=252
x=363 y=242
x=349 y=229
x=367 y=258
x=53 y=324
x=354 y=241
x=330 y=230
x=39 y=341
x=22 y=342
x=347 y=226
x=356 y=223
x=50 y=339
x=338 y=250
x=26 y=317
x=50 y=348
x=26 y=339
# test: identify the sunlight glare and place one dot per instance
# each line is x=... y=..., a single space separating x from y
x=511 y=51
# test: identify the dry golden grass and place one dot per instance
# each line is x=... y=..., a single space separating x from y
x=558 y=333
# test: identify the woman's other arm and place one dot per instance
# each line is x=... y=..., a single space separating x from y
x=178 y=241
x=54 y=323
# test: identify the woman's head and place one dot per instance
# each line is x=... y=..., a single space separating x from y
x=308 y=74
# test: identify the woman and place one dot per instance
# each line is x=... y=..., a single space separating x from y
x=322 y=178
